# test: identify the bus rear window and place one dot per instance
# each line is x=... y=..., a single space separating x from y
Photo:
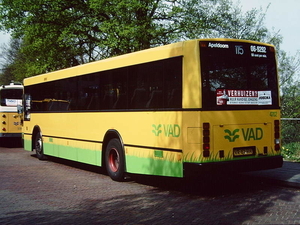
x=11 y=97
x=238 y=75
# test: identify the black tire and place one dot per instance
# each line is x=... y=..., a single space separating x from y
x=115 y=160
x=38 y=146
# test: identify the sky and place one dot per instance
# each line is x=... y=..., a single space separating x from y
x=282 y=16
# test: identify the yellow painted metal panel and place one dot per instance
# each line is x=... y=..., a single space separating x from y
x=191 y=75
x=157 y=129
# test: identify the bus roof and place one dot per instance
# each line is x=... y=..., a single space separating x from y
x=12 y=86
x=148 y=55
x=139 y=57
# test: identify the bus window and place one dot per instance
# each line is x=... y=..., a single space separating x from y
x=248 y=79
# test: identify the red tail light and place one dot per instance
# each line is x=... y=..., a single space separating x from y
x=206 y=139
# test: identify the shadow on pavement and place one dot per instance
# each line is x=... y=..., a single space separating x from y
x=213 y=184
x=237 y=206
x=209 y=199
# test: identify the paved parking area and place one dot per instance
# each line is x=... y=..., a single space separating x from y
x=60 y=192
x=288 y=175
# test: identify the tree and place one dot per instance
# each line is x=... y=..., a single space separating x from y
x=6 y=76
x=289 y=71
x=64 y=33
x=10 y=56
x=224 y=19
x=290 y=95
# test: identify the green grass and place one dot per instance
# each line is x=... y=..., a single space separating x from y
x=291 y=151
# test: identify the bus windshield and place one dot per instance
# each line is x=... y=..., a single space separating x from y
x=10 y=97
x=237 y=75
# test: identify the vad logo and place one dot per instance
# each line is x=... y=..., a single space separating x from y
x=248 y=134
x=251 y=133
x=170 y=130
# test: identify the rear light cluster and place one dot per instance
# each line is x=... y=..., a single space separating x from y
x=3 y=122
x=277 y=135
x=206 y=139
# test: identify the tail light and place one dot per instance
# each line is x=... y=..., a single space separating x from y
x=206 y=139
x=277 y=135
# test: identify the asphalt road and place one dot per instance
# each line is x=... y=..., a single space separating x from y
x=60 y=192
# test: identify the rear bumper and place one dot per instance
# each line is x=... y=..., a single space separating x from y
x=245 y=165
x=17 y=135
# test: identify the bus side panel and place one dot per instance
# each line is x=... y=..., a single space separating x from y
x=152 y=140
x=80 y=151
x=27 y=142
x=154 y=162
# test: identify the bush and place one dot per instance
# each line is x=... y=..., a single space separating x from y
x=291 y=151
x=290 y=130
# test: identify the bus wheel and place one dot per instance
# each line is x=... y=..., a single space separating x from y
x=115 y=160
x=38 y=145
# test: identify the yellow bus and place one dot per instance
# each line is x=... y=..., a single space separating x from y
x=10 y=98
x=176 y=110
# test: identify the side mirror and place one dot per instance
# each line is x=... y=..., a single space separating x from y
x=20 y=109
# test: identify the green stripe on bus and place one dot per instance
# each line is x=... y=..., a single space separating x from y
x=153 y=166
x=88 y=156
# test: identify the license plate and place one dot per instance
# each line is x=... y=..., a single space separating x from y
x=246 y=151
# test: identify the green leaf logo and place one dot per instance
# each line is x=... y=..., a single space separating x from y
x=231 y=136
x=156 y=129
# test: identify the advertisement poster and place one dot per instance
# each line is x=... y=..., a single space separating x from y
x=243 y=97
x=13 y=102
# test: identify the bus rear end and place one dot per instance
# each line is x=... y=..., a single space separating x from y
x=11 y=97
x=240 y=114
